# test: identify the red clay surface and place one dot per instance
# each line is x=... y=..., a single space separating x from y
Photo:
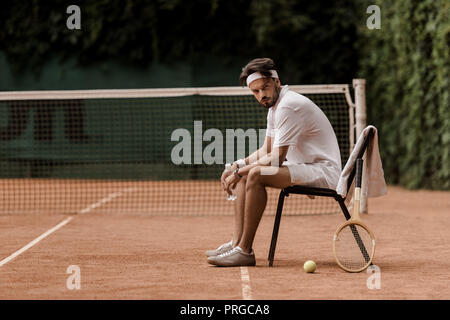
x=138 y=256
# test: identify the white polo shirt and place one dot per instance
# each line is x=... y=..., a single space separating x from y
x=297 y=122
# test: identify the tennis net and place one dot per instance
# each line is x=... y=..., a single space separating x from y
x=142 y=151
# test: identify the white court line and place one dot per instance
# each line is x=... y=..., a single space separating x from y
x=63 y=223
x=32 y=243
x=105 y=200
x=246 y=289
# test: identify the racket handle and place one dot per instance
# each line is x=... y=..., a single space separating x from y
x=359 y=167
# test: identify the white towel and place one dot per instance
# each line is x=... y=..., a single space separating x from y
x=373 y=184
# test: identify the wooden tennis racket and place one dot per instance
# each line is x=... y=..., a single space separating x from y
x=353 y=241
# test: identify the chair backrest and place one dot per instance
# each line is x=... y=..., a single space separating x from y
x=360 y=155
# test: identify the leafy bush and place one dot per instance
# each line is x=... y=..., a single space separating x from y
x=311 y=41
x=407 y=64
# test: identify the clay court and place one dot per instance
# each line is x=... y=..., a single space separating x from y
x=141 y=256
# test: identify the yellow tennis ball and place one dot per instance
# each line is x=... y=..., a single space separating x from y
x=309 y=266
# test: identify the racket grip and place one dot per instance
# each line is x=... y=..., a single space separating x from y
x=359 y=167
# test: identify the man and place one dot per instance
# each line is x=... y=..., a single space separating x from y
x=300 y=148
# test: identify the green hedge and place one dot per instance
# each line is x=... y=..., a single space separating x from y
x=407 y=65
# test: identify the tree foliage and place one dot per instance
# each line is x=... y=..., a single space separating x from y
x=407 y=64
x=311 y=41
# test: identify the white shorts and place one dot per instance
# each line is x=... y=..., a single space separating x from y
x=320 y=175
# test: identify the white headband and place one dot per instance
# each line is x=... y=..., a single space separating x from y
x=256 y=75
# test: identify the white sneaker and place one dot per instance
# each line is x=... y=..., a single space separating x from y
x=222 y=249
x=233 y=258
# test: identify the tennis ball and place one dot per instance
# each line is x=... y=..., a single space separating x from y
x=309 y=266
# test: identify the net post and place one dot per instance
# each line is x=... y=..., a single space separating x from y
x=360 y=104
x=360 y=121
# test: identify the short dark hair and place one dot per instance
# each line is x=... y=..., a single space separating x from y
x=261 y=65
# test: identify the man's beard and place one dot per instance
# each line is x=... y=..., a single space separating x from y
x=274 y=99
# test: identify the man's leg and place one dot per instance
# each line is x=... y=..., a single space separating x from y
x=256 y=198
x=239 y=206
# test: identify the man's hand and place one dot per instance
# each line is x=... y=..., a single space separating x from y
x=225 y=174
x=230 y=183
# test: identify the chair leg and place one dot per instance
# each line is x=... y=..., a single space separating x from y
x=276 y=227
x=344 y=208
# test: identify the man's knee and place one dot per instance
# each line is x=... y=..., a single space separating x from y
x=253 y=177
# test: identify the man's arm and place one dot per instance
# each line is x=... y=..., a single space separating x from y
x=258 y=154
x=275 y=158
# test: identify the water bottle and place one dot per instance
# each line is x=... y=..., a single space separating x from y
x=230 y=197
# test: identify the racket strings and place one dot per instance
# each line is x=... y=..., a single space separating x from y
x=353 y=247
